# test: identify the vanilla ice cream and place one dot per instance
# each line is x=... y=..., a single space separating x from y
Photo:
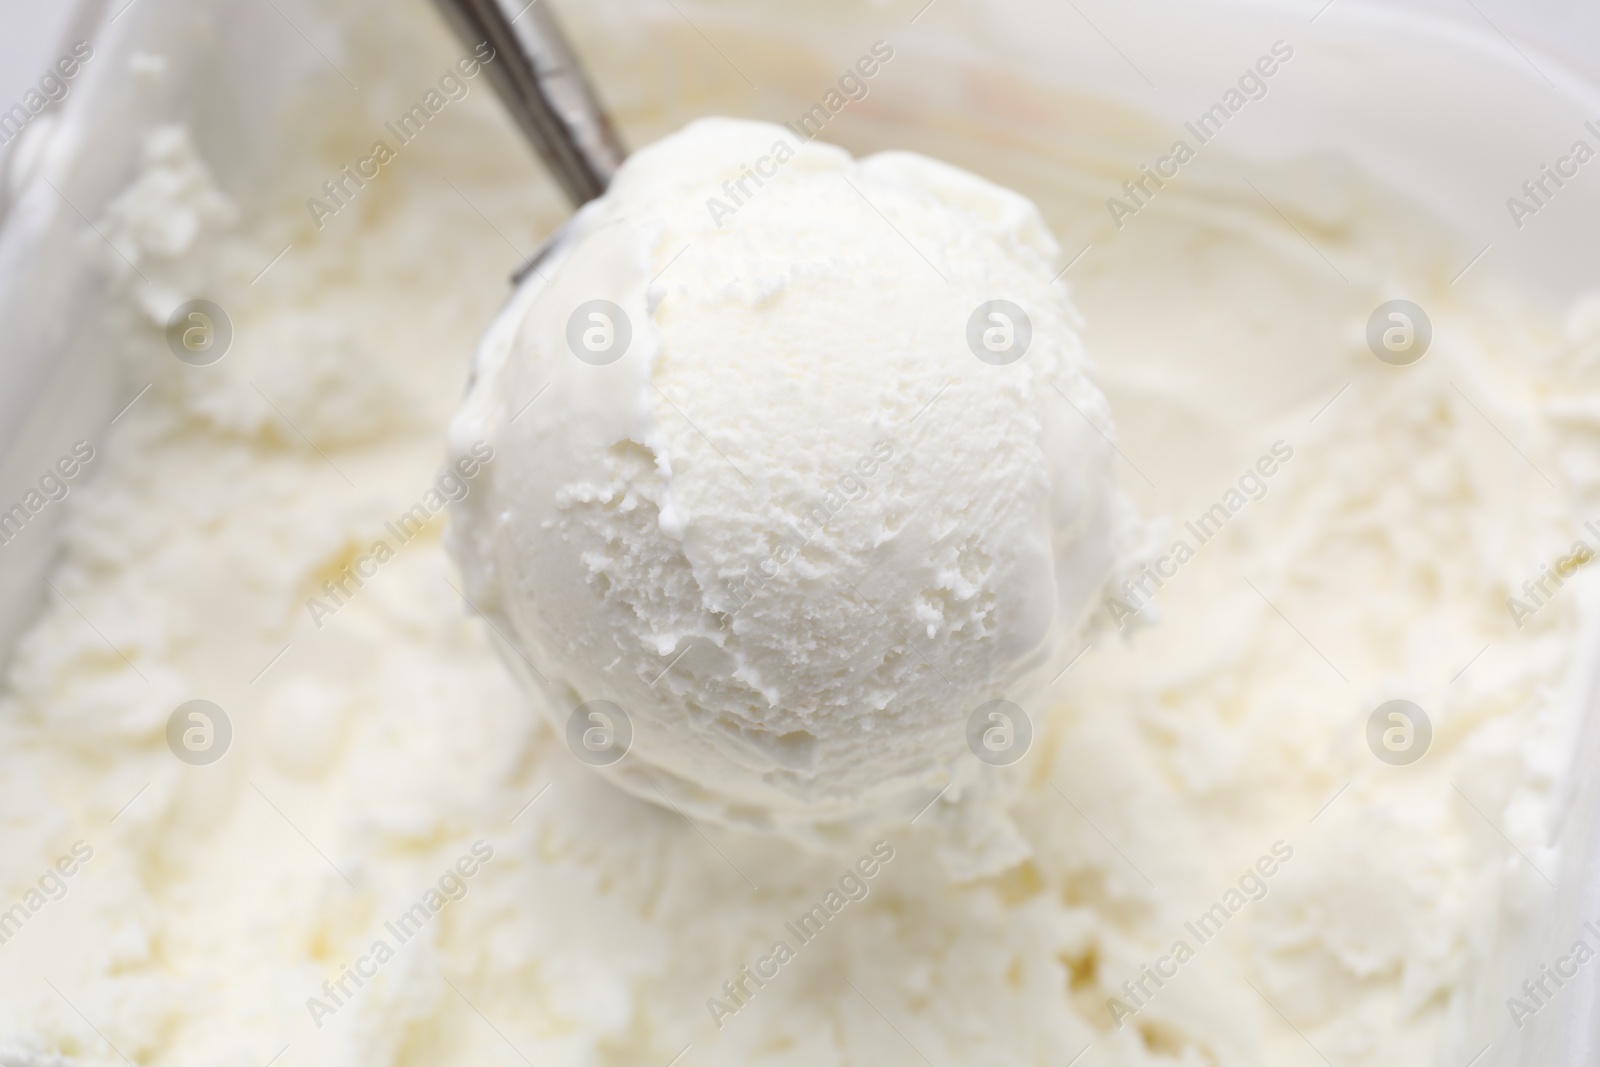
x=1201 y=859
x=754 y=485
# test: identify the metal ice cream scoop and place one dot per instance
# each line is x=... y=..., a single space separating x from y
x=546 y=91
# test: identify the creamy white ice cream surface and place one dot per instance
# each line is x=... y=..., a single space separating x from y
x=756 y=488
x=1208 y=854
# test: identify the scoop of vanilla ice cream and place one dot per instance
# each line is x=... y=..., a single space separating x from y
x=772 y=476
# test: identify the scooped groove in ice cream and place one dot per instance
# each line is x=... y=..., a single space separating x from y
x=797 y=491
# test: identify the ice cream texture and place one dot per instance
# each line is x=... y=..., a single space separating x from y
x=755 y=487
x=1216 y=759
